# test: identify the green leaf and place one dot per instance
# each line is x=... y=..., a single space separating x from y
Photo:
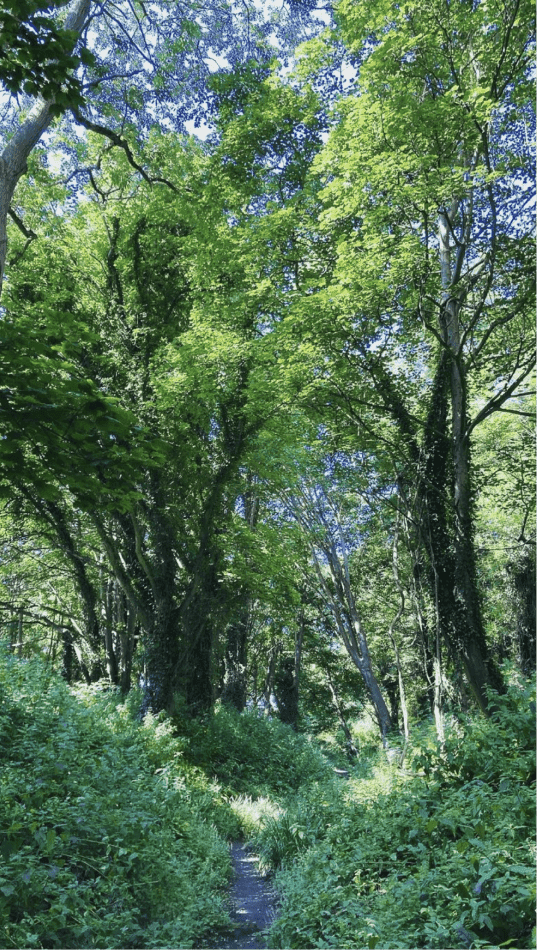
x=462 y=889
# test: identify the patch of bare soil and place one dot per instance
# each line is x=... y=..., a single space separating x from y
x=252 y=903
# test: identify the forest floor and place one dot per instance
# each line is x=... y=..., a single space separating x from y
x=252 y=902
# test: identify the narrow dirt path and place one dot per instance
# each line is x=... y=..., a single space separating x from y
x=252 y=902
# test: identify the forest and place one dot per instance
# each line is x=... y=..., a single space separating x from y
x=267 y=480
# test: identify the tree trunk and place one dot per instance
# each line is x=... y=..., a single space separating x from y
x=299 y=640
x=109 y=632
x=67 y=655
x=442 y=472
x=420 y=588
x=522 y=573
x=397 y=618
x=236 y=649
x=127 y=642
x=470 y=642
x=353 y=636
x=438 y=705
x=356 y=639
x=161 y=646
x=161 y=622
x=234 y=690
x=286 y=691
x=268 y=688
x=55 y=517
x=194 y=671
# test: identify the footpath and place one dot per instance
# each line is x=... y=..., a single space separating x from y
x=252 y=903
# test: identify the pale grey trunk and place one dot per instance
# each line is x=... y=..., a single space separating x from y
x=393 y=625
x=127 y=645
x=299 y=640
x=438 y=695
x=13 y=160
x=110 y=628
x=268 y=688
x=351 y=630
x=360 y=645
x=438 y=709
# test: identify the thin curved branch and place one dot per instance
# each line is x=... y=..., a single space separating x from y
x=122 y=143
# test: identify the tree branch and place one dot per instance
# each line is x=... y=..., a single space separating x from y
x=122 y=143
x=28 y=233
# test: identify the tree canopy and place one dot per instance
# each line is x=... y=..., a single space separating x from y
x=267 y=392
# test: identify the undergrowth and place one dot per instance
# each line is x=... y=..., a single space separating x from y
x=442 y=856
x=113 y=832
x=107 y=840
x=254 y=756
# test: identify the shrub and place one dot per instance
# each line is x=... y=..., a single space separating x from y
x=444 y=859
x=255 y=756
x=306 y=820
x=99 y=847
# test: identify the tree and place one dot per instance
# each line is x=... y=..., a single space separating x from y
x=15 y=154
x=505 y=519
x=329 y=545
x=238 y=633
x=187 y=323
x=421 y=198
x=313 y=492
x=165 y=327
x=121 y=70
x=138 y=535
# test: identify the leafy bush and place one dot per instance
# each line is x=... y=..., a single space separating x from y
x=471 y=751
x=253 y=755
x=112 y=831
x=444 y=859
x=253 y=813
x=105 y=838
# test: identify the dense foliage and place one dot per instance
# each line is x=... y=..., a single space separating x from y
x=267 y=498
x=254 y=756
x=105 y=839
x=114 y=831
x=441 y=857
x=257 y=388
